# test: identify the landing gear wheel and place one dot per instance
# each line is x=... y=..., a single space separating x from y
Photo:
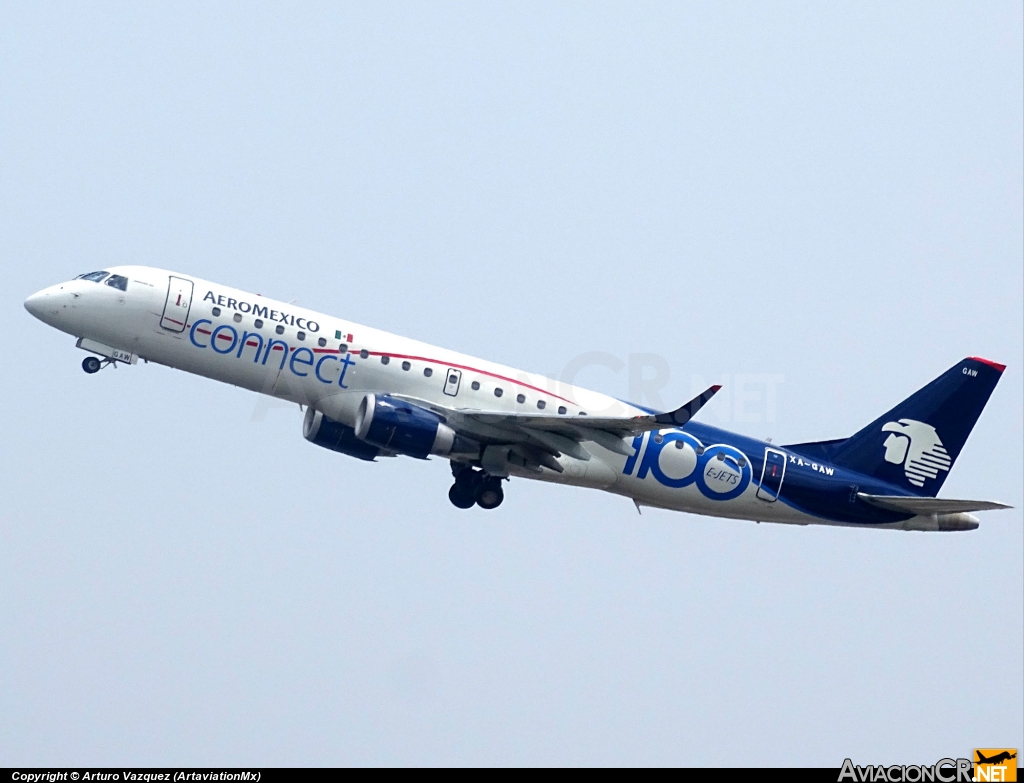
x=460 y=498
x=490 y=494
x=91 y=364
x=463 y=491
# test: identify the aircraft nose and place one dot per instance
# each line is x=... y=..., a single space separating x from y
x=50 y=304
x=36 y=304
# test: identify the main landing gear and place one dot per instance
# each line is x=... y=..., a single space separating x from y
x=474 y=487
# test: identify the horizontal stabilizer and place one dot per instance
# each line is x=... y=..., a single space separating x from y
x=924 y=506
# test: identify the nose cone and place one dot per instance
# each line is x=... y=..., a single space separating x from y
x=36 y=304
x=52 y=305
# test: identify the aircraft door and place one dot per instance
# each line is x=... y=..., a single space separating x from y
x=177 y=305
x=771 y=475
x=452 y=382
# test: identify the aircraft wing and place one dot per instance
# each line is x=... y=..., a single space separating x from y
x=555 y=434
x=916 y=505
x=624 y=424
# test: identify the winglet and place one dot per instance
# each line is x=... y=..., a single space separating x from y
x=684 y=413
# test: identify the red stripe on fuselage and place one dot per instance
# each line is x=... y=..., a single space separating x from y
x=277 y=346
x=470 y=369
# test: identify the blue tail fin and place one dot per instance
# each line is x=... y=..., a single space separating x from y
x=916 y=443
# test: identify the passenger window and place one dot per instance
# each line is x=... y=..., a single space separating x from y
x=498 y=392
x=301 y=335
x=118 y=281
x=428 y=371
x=561 y=409
x=322 y=342
x=258 y=323
x=238 y=318
x=385 y=359
x=541 y=404
x=520 y=398
x=279 y=329
x=406 y=366
x=343 y=348
x=475 y=385
x=364 y=354
x=216 y=311
x=93 y=276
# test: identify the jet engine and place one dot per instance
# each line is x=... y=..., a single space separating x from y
x=407 y=429
x=333 y=435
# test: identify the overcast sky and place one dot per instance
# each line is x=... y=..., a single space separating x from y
x=817 y=204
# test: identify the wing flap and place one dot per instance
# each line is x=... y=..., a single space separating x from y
x=917 y=505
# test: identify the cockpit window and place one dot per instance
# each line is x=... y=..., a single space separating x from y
x=119 y=282
x=94 y=276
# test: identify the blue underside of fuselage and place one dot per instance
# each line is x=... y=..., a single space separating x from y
x=825 y=491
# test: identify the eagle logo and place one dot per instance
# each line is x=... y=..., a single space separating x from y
x=917 y=447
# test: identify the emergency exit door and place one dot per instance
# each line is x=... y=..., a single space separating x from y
x=452 y=382
x=771 y=475
x=177 y=305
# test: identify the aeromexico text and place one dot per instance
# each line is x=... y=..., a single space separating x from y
x=261 y=312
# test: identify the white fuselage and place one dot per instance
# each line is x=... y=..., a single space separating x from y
x=329 y=364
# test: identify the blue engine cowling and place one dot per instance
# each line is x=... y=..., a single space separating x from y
x=404 y=428
x=333 y=435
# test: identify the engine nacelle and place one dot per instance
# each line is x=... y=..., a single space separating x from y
x=333 y=435
x=406 y=428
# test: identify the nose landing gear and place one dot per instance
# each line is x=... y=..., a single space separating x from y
x=474 y=487
x=91 y=364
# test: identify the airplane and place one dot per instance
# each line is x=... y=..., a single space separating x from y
x=999 y=758
x=369 y=394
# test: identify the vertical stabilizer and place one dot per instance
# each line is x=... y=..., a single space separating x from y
x=915 y=444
